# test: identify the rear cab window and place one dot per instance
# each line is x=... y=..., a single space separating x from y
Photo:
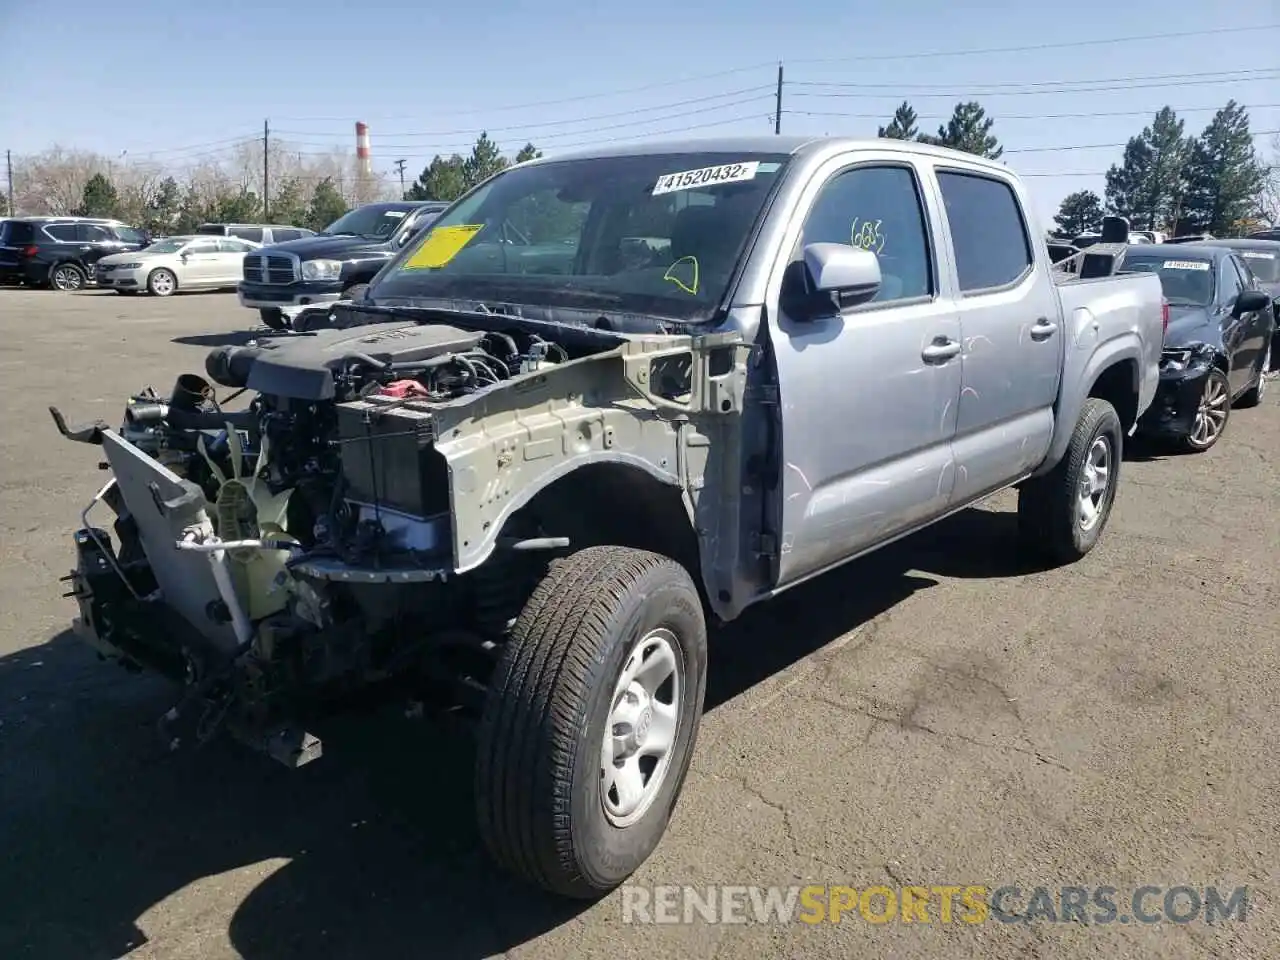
x=988 y=231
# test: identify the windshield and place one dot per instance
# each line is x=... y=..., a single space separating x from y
x=1186 y=283
x=658 y=235
x=375 y=223
x=167 y=246
x=1264 y=265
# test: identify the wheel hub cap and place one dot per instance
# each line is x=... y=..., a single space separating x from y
x=1211 y=415
x=641 y=728
x=1095 y=480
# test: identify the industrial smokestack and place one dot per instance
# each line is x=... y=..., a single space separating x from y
x=363 y=155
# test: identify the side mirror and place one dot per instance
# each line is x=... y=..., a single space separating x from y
x=851 y=273
x=1250 y=301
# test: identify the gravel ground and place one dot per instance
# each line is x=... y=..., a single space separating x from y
x=934 y=715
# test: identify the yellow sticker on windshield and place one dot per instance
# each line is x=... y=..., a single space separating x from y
x=441 y=245
x=686 y=278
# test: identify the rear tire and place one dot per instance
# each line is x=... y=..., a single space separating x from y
x=274 y=318
x=1062 y=514
x=67 y=277
x=557 y=803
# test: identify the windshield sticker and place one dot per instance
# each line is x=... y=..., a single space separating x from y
x=1254 y=255
x=393 y=213
x=866 y=234
x=707 y=176
x=1184 y=265
x=686 y=278
x=441 y=245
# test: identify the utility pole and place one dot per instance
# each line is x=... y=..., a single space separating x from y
x=8 y=162
x=266 y=169
x=777 y=104
x=400 y=169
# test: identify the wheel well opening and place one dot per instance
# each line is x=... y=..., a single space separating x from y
x=1118 y=385
x=609 y=503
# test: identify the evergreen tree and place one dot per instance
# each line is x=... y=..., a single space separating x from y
x=902 y=126
x=99 y=199
x=969 y=129
x=1079 y=213
x=485 y=160
x=441 y=179
x=1224 y=176
x=1147 y=186
x=327 y=205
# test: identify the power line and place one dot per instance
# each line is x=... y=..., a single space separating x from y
x=1100 y=146
x=1031 y=93
x=1184 y=77
x=1032 y=48
x=666 y=108
x=1002 y=117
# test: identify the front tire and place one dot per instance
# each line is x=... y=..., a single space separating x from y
x=1212 y=415
x=273 y=318
x=590 y=721
x=161 y=282
x=1062 y=514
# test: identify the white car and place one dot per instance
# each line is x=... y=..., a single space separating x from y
x=176 y=263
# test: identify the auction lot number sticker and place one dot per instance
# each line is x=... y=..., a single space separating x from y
x=1185 y=265
x=707 y=176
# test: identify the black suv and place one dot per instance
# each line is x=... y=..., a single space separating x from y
x=60 y=252
x=321 y=269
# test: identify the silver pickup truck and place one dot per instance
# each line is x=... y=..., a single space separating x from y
x=607 y=400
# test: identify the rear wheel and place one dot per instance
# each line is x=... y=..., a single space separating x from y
x=1212 y=414
x=161 y=282
x=1062 y=514
x=67 y=277
x=590 y=720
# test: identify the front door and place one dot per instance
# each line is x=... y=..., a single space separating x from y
x=868 y=393
x=1013 y=333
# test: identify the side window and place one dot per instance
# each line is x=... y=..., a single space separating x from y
x=92 y=233
x=1247 y=280
x=231 y=245
x=283 y=236
x=201 y=247
x=247 y=233
x=130 y=235
x=987 y=230
x=1229 y=279
x=878 y=209
x=64 y=232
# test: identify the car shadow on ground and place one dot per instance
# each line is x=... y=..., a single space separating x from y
x=372 y=851
x=232 y=338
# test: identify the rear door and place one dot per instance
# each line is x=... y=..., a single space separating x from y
x=1009 y=317
x=868 y=393
x=201 y=263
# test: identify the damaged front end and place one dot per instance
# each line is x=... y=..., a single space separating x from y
x=1183 y=371
x=366 y=517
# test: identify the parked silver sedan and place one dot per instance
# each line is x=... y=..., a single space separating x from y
x=176 y=263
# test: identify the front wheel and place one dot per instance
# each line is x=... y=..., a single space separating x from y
x=1212 y=413
x=590 y=720
x=1061 y=515
x=161 y=282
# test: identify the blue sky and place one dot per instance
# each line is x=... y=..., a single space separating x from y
x=179 y=82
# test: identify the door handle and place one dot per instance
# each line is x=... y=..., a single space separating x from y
x=941 y=350
x=1043 y=329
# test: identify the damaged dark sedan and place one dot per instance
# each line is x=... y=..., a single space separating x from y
x=1216 y=345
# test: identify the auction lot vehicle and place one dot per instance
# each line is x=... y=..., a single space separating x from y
x=259 y=233
x=324 y=267
x=1218 y=344
x=193 y=262
x=605 y=401
x=60 y=252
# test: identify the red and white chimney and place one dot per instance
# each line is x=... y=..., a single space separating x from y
x=363 y=155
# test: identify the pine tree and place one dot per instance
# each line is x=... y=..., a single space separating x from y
x=99 y=199
x=1079 y=213
x=969 y=129
x=1224 y=175
x=485 y=160
x=327 y=205
x=441 y=179
x=902 y=126
x=1147 y=187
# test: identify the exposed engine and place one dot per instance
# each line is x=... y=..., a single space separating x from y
x=328 y=503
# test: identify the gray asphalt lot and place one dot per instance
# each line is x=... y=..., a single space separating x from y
x=933 y=715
